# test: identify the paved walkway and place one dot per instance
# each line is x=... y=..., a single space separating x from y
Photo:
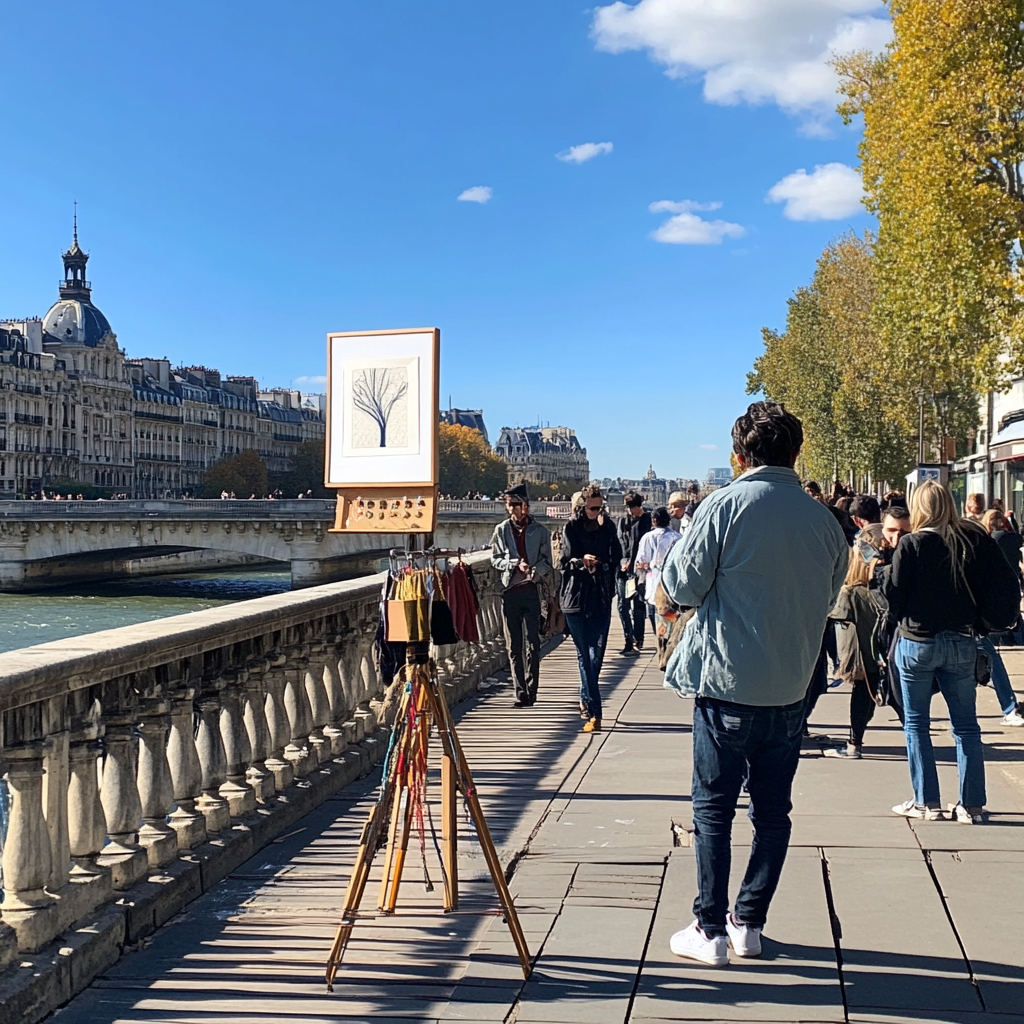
x=877 y=918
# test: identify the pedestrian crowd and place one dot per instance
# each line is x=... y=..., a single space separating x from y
x=757 y=596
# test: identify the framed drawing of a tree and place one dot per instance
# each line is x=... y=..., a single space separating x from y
x=382 y=417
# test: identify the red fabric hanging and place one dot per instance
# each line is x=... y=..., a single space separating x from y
x=463 y=602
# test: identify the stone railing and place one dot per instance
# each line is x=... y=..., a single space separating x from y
x=138 y=758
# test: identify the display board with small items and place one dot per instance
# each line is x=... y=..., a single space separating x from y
x=386 y=510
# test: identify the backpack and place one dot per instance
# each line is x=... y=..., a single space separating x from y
x=993 y=587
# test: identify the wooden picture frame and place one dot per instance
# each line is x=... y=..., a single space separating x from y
x=383 y=386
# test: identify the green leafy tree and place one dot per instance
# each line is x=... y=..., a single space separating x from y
x=244 y=474
x=306 y=472
x=467 y=463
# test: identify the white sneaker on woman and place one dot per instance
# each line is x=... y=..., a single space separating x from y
x=744 y=939
x=1014 y=718
x=909 y=809
x=966 y=815
x=695 y=945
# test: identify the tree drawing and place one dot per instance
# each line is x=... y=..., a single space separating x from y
x=376 y=392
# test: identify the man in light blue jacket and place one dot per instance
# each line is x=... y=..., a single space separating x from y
x=762 y=564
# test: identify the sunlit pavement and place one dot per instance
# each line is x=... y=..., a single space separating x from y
x=877 y=918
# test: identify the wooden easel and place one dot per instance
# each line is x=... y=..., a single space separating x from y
x=422 y=706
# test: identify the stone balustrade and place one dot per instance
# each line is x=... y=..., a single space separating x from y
x=135 y=757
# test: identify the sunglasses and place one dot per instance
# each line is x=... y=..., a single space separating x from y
x=594 y=508
x=514 y=504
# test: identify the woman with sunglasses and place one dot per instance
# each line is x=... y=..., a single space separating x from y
x=590 y=555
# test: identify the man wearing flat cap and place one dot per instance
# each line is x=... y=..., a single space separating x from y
x=521 y=552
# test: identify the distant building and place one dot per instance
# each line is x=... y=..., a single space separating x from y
x=655 y=489
x=543 y=455
x=473 y=418
x=718 y=477
x=74 y=409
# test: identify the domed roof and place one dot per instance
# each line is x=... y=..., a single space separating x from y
x=75 y=322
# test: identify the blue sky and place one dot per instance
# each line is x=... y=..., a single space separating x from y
x=252 y=175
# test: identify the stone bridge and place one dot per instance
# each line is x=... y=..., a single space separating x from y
x=56 y=542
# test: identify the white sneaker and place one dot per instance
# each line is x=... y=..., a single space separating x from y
x=745 y=940
x=695 y=945
x=965 y=815
x=909 y=809
x=1013 y=718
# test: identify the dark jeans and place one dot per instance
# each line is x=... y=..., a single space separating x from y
x=521 y=611
x=632 y=613
x=862 y=710
x=590 y=635
x=731 y=741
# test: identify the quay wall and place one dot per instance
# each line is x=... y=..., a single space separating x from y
x=146 y=763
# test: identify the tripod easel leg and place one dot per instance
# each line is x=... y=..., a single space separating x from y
x=449 y=830
x=450 y=740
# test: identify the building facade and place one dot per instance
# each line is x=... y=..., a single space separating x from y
x=543 y=455
x=75 y=410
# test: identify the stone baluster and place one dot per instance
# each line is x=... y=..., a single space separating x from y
x=55 y=790
x=212 y=758
x=156 y=788
x=296 y=704
x=119 y=791
x=319 y=705
x=87 y=827
x=351 y=685
x=260 y=777
x=277 y=723
x=27 y=907
x=368 y=675
x=237 y=749
x=188 y=822
x=334 y=731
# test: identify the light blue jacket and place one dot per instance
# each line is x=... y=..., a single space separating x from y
x=762 y=564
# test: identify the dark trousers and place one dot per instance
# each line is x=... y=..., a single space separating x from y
x=862 y=710
x=590 y=635
x=521 y=610
x=632 y=613
x=730 y=742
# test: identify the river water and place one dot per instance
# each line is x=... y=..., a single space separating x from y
x=27 y=619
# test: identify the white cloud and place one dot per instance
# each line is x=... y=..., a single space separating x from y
x=476 y=194
x=710 y=447
x=752 y=51
x=686 y=228
x=830 y=192
x=302 y=382
x=583 y=152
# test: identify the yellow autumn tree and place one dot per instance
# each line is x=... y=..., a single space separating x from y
x=941 y=159
x=828 y=369
x=467 y=463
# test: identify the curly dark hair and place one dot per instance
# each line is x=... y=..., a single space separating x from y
x=767 y=435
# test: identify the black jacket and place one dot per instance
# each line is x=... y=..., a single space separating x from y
x=925 y=595
x=582 y=590
x=630 y=532
x=1010 y=544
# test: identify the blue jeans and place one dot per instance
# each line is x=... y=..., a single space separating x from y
x=632 y=612
x=1000 y=679
x=948 y=660
x=731 y=741
x=590 y=635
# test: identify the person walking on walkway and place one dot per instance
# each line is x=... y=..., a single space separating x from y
x=521 y=552
x=856 y=615
x=590 y=558
x=762 y=565
x=632 y=604
x=650 y=558
x=947 y=577
x=1010 y=544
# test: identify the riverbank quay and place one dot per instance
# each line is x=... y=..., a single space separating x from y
x=146 y=763
x=877 y=919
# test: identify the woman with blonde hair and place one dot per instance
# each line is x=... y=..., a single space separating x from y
x=947 y=579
